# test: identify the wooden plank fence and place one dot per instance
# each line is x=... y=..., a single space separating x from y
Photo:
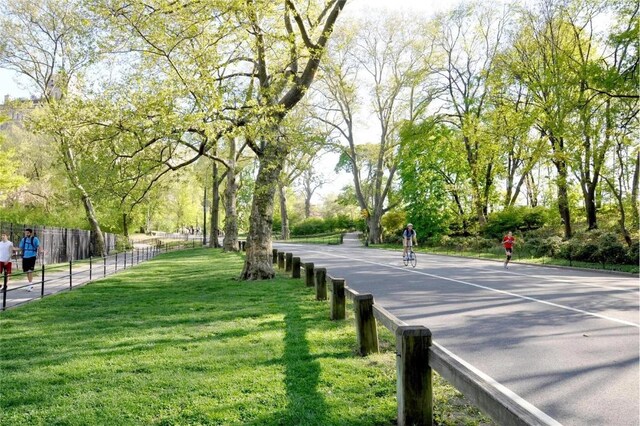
x=417 y=355
x=59 y=244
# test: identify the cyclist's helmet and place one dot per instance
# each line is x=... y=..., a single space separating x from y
x=410 y=225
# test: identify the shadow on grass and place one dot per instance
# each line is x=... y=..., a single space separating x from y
x=305 y=405
x=161 y=345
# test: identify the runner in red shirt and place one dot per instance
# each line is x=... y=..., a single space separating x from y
x=508 y=241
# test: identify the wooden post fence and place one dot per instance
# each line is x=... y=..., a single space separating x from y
x=274 y=256
x=366 y=331
x=308 y=274
x=295 y=267
x=280 y=260
x=337 y=299
x=414 y=386
x=288 y=259
x=321 y=283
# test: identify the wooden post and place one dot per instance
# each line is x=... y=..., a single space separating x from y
x=321 y=283
x=280 y=260
x=274 y=256
x=337 y=299
x=288 y=259
x=414 y=388
x=295 y=267
x=366 y=330
x=308 y=274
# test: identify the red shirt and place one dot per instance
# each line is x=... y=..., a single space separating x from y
x=508 y=241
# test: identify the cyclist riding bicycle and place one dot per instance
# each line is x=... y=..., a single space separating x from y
x=408 y=239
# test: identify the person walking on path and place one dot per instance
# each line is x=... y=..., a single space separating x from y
x=508 y=241
x=6 y=251
x=30 y=246
x=408 y=239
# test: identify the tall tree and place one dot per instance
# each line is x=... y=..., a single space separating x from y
x=237 y=67
x=469 y=39
x=540 y=63
x=52 y=44
x=379 y=60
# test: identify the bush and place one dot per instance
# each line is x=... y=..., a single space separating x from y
x=309 y=226
x=609 y=249
x=594 y=246
x=340 y=222
x=542 y=246
x=534 y=217
x=633 y=254
x=394 y=221
x=514 y=219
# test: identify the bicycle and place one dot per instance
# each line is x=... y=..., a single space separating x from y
x=411 y=257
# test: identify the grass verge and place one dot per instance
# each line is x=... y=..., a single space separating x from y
x=178 y=340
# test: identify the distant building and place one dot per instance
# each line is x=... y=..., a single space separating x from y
x=16 y=110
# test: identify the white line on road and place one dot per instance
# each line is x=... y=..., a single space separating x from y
x=506 y=391
x=532 y=299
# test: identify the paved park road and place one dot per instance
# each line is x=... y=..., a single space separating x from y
x=566 y=341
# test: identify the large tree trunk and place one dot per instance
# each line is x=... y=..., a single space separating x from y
x=619 y=198
x=590 y=206
x=635 y=215
x=284 y=216
x=258 y=263
x=97 y=238
x=563 y=197
x=214 y=231
x=532 y=190
x=488 y=183
x=230 y=242
x=125 y=225
x=557 y=144
x=375 y=229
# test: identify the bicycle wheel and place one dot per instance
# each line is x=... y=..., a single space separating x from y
x=405 y=259
x=413 y=259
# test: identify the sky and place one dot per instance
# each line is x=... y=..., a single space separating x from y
x=11 y=85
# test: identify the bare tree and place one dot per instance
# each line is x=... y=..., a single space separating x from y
x=380 y=61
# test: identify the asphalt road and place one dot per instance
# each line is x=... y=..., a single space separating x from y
x=566 y=341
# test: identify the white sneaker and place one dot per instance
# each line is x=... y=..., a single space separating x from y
x=30 y=288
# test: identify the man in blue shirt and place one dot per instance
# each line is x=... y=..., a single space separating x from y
x=30 y=245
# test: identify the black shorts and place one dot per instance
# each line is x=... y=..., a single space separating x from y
x=508 y=250
x=28 y=264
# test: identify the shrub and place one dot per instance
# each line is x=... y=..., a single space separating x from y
x=633 y=254
x=309 y=226
x=609 y=249
x=534 y=217
x=542 y=246
x=594 y=246
x=513 y=219
x=394 y=221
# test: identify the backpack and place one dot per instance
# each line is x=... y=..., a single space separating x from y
x=405 y=232
x=30 y=241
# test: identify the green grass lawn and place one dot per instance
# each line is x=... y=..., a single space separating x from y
x=332 y=238
x=179 y=341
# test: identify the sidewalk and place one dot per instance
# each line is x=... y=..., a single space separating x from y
x=58 y=278
x=352 y=239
